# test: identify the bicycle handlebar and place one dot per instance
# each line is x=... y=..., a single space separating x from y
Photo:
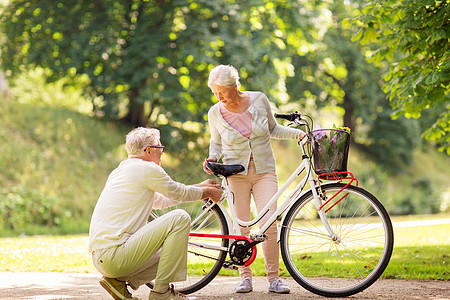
x=290 y=117
x=295 y=118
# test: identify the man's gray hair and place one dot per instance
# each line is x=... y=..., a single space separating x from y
x=138 y=139
x=224 y=75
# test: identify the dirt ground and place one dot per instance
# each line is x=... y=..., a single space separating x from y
x=34 y=285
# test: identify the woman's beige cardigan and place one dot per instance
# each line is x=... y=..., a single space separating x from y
x=237 y=149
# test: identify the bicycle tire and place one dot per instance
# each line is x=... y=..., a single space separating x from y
x=346 y=266
x=203 y=264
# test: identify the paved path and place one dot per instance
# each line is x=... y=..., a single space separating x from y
x=32 y=285
x=421 y=223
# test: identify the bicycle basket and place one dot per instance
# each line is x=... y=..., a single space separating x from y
x=330 y=150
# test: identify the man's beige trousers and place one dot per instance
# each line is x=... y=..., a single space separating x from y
x=157 y=250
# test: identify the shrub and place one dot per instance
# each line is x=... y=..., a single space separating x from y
x=21 y=206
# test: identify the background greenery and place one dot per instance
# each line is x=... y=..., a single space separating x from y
x=56 y=162
x=81 y=74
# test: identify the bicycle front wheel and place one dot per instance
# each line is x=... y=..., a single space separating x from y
x=342 y=266
x=205 y=255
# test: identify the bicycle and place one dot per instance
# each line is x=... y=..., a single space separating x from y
x=336 y=238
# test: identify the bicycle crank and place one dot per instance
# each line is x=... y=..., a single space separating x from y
x=241 y=251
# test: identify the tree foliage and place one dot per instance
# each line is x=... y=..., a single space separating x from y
x=152 y=55
x=148 y=61
x=337 y=73
x=414 y=37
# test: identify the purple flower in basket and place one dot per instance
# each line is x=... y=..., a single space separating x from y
x=319 y=133
x=334 y=139
x=329 y=145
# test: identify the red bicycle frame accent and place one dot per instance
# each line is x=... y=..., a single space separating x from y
x=228 y=236
x=335 y=176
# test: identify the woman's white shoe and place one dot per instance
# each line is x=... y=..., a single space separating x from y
x=279 y=286
x=245 y=286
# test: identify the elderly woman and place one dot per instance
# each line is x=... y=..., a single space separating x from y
x=241 y=126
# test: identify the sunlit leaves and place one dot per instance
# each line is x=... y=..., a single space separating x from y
x=156 y=55
x=414 y=37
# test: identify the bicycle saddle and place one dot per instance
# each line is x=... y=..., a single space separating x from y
x=224 y=170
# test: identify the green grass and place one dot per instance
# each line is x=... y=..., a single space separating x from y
x=419 y=253
x=53 y=167
x=46 y=254
x=56 y=158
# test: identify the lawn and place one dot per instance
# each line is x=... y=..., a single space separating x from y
x=420 y=252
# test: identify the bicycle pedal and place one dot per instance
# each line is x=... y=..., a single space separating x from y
x=258 y=237
x=230 y=266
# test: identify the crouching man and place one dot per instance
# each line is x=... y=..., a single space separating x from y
x=127 y=249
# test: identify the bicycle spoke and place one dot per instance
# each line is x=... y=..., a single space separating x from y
x=338 y=266
x=310 y=232
x=205 y=255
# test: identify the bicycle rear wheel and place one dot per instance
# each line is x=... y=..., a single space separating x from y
x=351 y=263
x=205 y=255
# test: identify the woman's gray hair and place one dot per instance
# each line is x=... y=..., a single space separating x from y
x=224 y=75
x=138 y=139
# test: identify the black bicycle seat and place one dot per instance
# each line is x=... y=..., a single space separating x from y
x=224 y=170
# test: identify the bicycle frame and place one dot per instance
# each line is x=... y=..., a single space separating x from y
x=298 y=190
x=334 y=254
x=234 y=222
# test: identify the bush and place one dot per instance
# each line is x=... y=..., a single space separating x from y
x=54 y=163
x=420 y=199
x=21 y=206
x=414 y=191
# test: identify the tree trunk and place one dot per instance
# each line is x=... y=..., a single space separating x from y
x=135 y=116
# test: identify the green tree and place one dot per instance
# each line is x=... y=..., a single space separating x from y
x=151 y=56
x=147 y=62
x=391 y=142
x=413 y=36
x=336 y=72
x=140 y=53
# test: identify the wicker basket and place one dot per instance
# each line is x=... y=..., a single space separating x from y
x=330 y=150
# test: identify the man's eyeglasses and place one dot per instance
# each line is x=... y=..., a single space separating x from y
x=159 y=147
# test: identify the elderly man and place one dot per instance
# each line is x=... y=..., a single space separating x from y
x=126 y=248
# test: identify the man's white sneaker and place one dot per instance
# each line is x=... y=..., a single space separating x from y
x=278 y=286
x=171 y=294
x=245 y=286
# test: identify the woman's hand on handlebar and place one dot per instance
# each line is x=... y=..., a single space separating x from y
x=302 y=135
x=204 y=165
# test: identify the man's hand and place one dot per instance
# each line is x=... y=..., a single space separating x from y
x=210 y=183
x=212 y=192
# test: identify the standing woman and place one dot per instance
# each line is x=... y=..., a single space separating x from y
x=241 y=126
